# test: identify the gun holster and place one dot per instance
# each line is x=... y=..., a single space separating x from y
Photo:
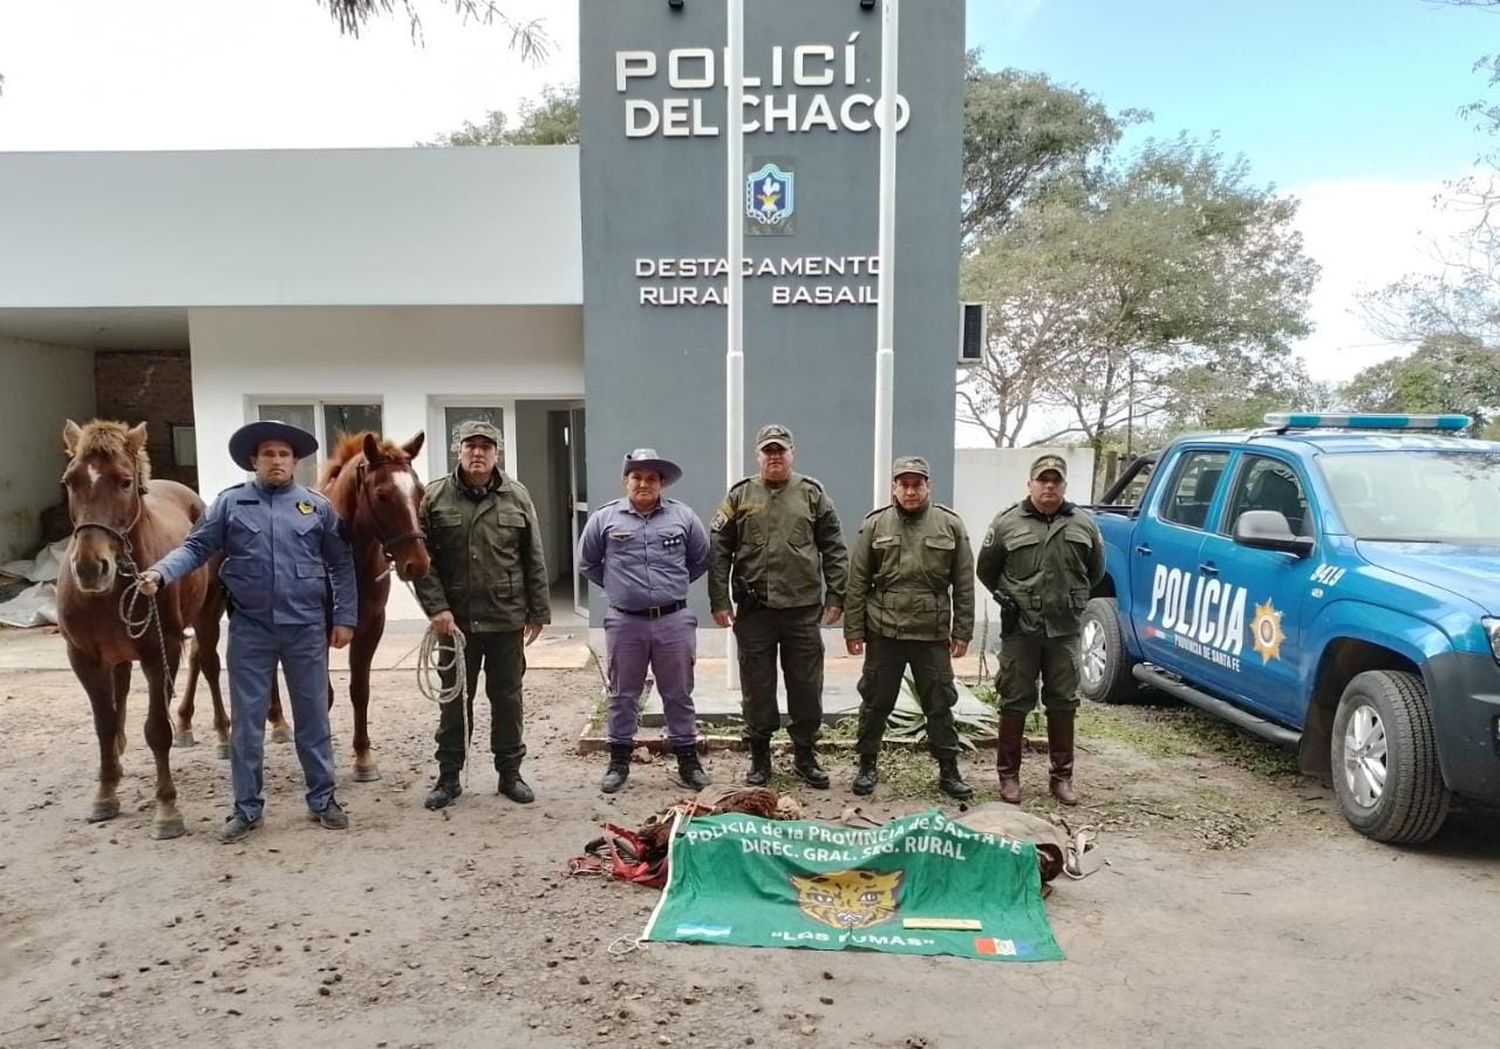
x=1010 y=614
x=746 y=600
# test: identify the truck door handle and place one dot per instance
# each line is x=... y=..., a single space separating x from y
x=1143 y=550
x=1208 y=568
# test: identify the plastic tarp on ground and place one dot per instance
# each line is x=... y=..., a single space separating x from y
x=37 y=604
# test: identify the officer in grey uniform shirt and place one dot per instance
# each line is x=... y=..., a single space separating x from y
x=289 y=575
x=645 y=551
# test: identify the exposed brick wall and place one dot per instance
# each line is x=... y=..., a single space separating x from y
x=154 y=386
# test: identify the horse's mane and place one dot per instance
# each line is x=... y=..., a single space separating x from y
x=350 y=451
x=108 y=438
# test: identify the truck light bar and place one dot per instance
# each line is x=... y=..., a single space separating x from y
x=1364 y=421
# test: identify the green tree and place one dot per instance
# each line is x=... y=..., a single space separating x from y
x=1162 y=291
x=1444 y=374
x=528 y=37
x=1023 y=132
x=551 y=120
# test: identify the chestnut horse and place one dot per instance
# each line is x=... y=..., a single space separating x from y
x=372 y=484
x=123 y=520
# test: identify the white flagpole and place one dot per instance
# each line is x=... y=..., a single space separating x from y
x=885 y=327
x=734 y=358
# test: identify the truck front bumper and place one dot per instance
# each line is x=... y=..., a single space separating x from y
x=1464 y=690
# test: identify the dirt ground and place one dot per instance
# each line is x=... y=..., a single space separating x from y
x=1236 y=909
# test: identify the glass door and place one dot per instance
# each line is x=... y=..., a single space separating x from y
x=578 y=500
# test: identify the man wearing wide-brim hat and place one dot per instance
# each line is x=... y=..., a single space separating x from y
x=289 y=575
x=1041 y=558
x=646 y=551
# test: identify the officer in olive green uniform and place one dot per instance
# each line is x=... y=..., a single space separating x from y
x=1041 y=558
x=489 y=581
x=910 y=601
x=777 y=537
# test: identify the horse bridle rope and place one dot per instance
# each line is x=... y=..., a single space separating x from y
x=137 y=621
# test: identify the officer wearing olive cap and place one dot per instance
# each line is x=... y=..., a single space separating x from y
x=488 y=580
x=283 y=545
x=778 y=549
x=1041 y=558
x=910 y=602
x=645 y=551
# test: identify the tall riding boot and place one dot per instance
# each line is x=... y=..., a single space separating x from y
x=805 y=765
x=760 y=763
x=1060 y=748
x=619 y=768
x=951 y=781
x=1008 y=756
x=690 y=769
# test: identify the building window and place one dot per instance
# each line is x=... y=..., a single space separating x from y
x=455 y=416
x=327 y=422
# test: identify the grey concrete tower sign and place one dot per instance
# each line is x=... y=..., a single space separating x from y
x=653 y=106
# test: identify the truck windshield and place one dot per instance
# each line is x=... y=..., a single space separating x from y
x=1417 y=496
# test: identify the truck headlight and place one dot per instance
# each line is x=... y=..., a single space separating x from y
x=1492 y=628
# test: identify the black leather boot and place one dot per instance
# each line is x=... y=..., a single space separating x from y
x=760 y=763
x=444 y=792
x=867 y=777
x=690 y=769
x=515 y=788
x=619 y=768
x=950 y=782
x=805 y=765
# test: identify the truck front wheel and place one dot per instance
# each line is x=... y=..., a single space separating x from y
x=1104 y=665
x=1385 y=761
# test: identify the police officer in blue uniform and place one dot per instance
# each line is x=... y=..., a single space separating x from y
x=283 y=546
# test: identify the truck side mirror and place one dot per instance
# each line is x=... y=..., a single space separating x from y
x=1268 y=530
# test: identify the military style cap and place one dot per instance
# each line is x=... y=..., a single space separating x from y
x=1043 y=463
x=910 y=464
x=648 y=459
x=773 y=433
x=470 y=428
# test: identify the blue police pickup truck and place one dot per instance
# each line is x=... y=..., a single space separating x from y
x=1330 y=582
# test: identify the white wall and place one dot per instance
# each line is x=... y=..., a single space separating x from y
x=44 y=385
x=411 y=360
x=987 y=480
x=291 y=227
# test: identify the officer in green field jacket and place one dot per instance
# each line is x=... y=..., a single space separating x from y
x=776 y=548
x=489 y=580
x=910 y=602
x=1041 y=558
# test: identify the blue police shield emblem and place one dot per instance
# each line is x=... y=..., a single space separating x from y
x=769 y=196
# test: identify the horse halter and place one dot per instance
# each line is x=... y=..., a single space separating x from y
x=387 y=543
x=127 y=553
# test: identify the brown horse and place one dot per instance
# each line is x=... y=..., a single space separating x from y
x=123 y=520
x=375 y=489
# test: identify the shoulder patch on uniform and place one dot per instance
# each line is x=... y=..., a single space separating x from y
x=305 y=507
x=719 y=521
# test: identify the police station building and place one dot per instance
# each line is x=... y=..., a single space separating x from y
x=573 y=295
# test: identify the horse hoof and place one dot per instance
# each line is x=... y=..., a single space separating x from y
x=184 y=739
x=166 y=830
x=281 y=734
x=368 y=774
x=222 y=751
x=103 y=810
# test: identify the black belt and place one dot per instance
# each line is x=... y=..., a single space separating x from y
x=653 y=613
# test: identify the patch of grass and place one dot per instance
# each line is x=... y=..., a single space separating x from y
x=1170 y=732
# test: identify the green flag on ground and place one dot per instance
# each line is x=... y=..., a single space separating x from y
x=920 y=884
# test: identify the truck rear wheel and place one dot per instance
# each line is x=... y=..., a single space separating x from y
x=1104 y=666
x=1385 y=761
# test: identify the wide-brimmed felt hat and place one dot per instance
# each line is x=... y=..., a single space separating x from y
x=248 y=438
x=648 y=459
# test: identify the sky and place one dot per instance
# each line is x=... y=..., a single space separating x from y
x=1349 y=105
